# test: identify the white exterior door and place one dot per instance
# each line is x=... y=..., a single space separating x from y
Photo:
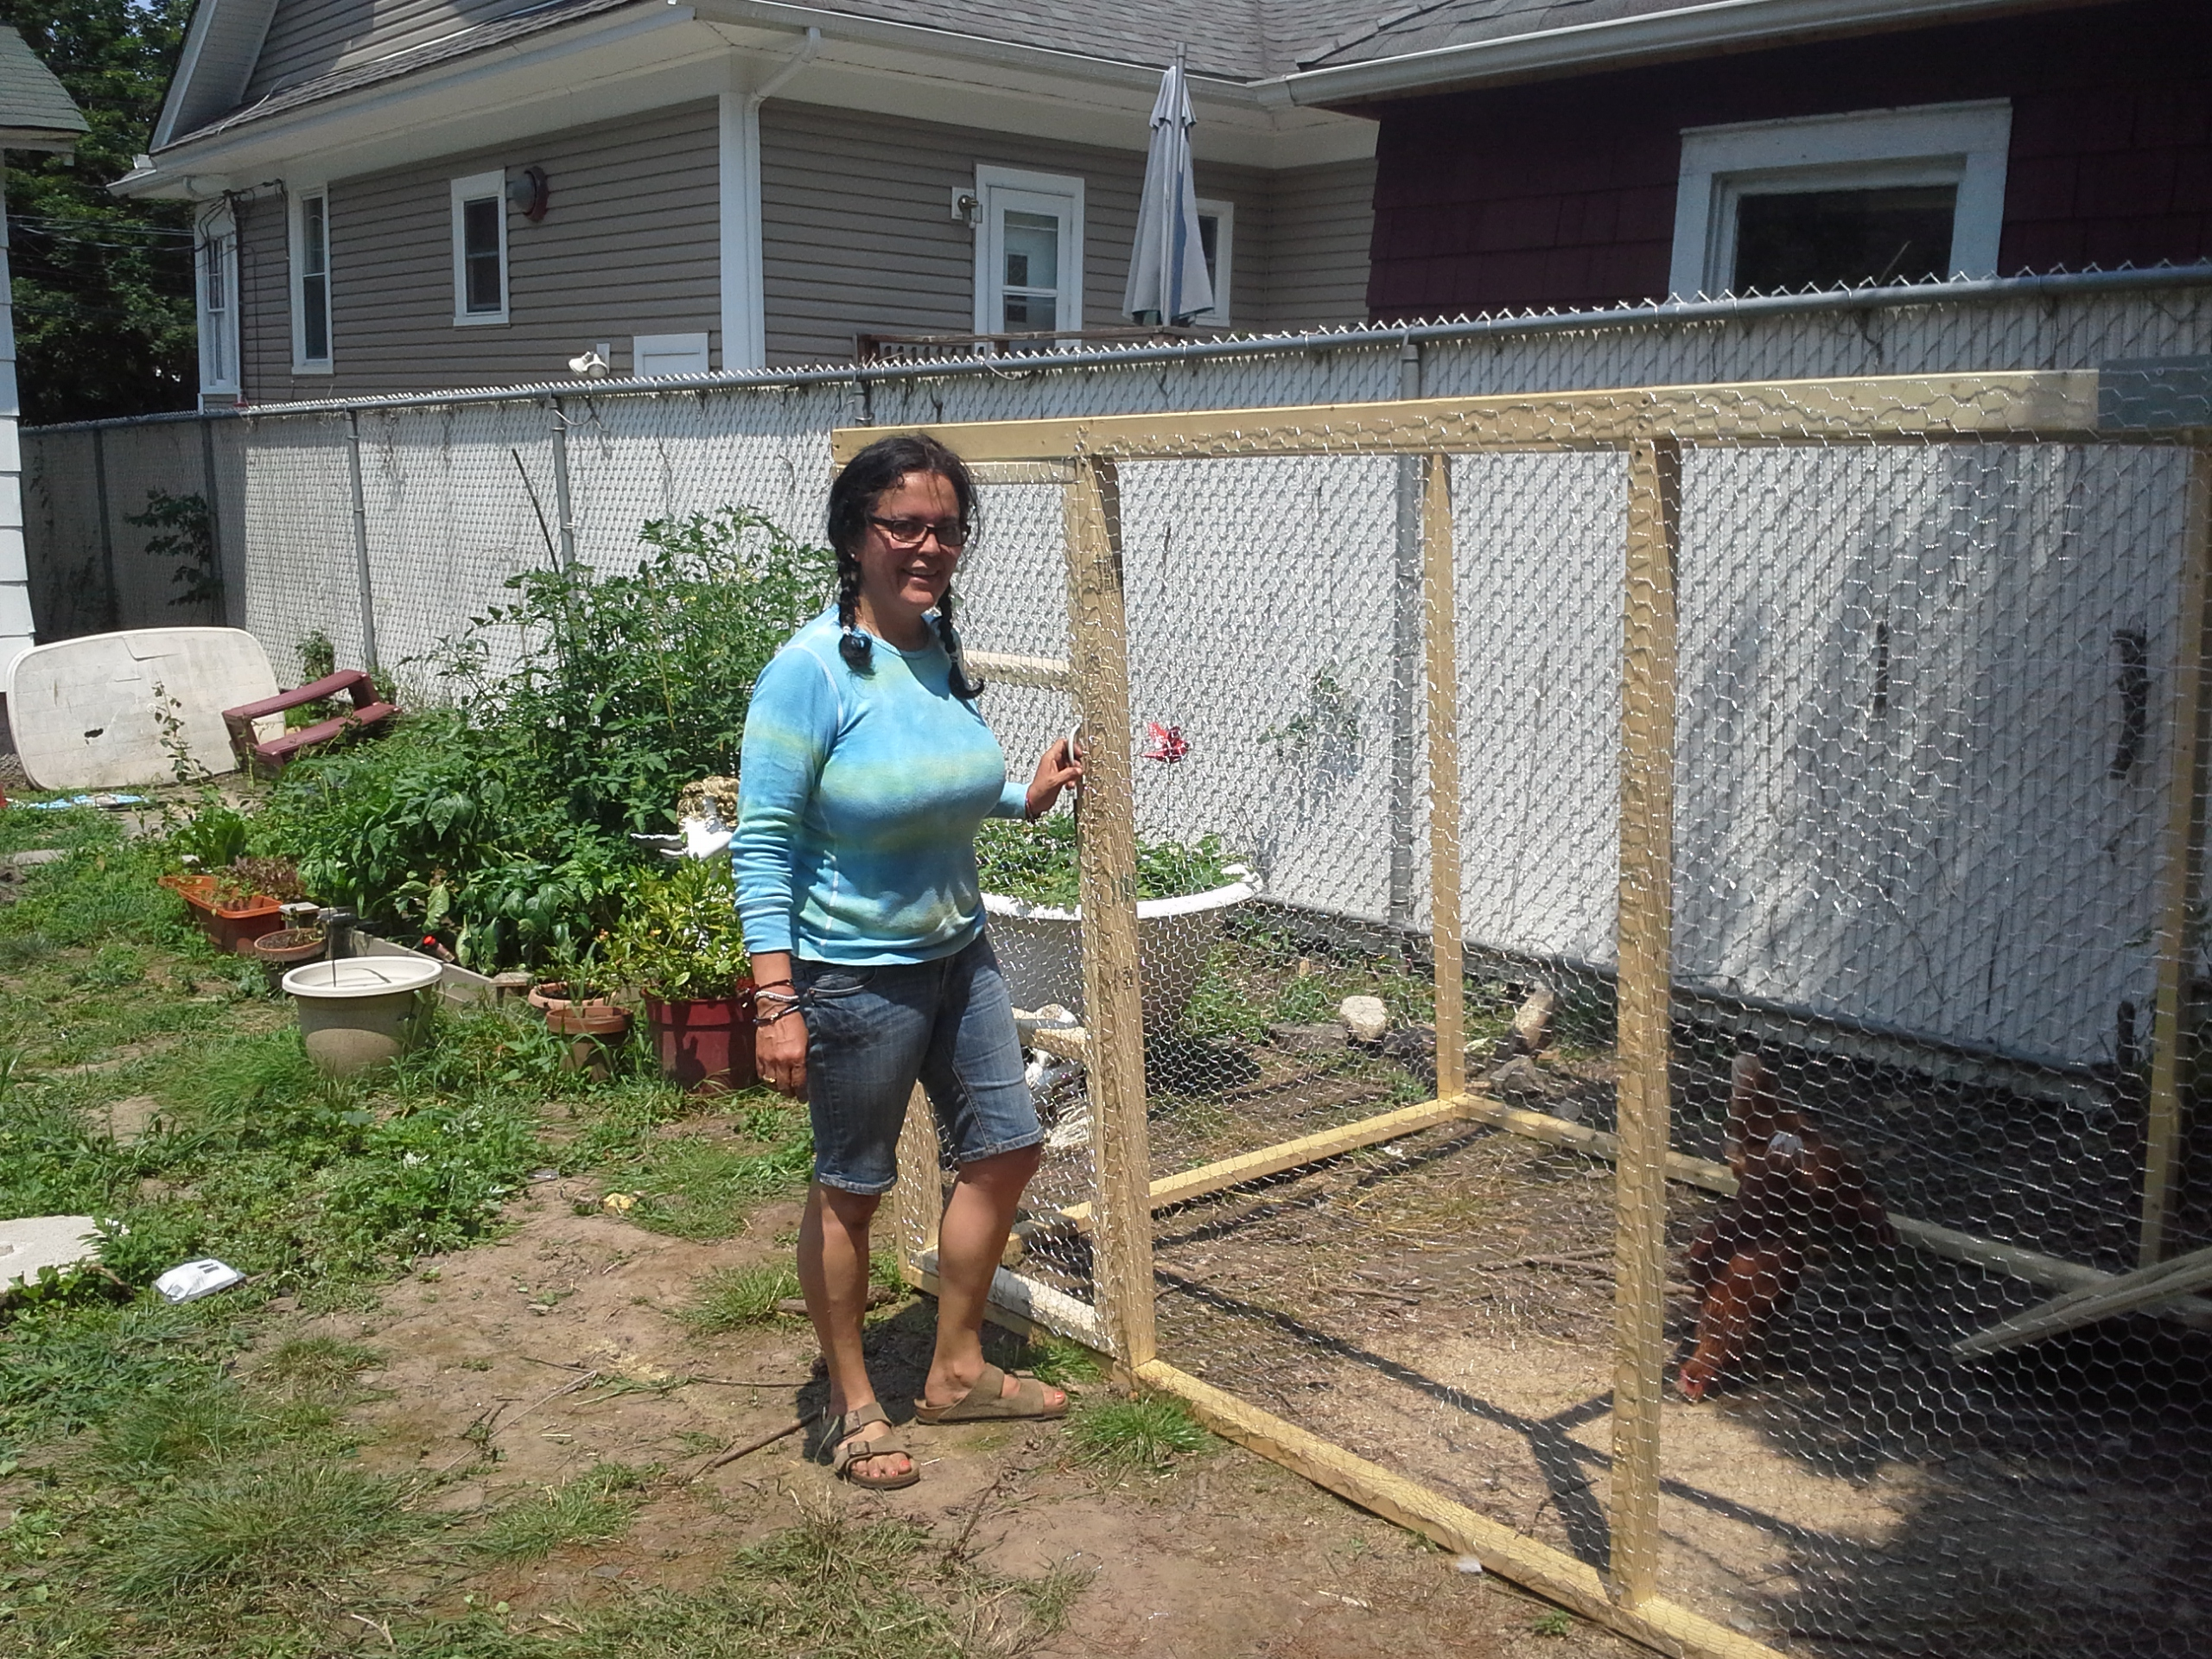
x=1028 y=252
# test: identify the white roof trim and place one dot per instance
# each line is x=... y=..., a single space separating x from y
x=219 y=52
x=1620 y=42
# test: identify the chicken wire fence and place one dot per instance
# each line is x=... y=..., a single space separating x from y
x=1694 y=948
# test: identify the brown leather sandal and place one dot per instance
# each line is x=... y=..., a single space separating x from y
x=988 y=1401
x=846 y=1450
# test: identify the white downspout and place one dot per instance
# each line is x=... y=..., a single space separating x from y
x=744 y=344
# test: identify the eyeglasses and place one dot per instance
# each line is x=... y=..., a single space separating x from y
x=952 y=534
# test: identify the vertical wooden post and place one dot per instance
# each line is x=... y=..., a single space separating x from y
x=2172 y=1061
x=1647 y=824
x=1440 y=624
x=1113 y=997
x=112 y=595
x=917 y=1202
x=364 y=588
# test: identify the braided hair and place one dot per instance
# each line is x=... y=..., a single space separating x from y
x=863 y=481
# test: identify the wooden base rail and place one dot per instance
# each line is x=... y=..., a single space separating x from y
x=1656 y=1623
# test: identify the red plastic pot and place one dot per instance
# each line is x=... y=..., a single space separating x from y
x=706 y=1046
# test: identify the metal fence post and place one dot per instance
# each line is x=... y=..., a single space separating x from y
x=214 y=511
x=114 y=593
x=561 y=508
x=361 y=542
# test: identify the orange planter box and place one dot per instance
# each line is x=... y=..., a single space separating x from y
x=232 y=927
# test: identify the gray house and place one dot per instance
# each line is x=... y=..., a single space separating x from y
x=402 y=195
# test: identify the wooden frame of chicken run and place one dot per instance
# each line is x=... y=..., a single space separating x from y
x=1652 y=427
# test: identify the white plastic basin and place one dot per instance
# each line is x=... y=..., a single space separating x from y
x=359 y=1012
x=1041 y=948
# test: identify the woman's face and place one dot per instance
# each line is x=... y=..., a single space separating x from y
x=898 y=568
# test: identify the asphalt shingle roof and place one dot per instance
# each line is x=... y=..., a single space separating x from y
x=1227 y=40
x=29 y=95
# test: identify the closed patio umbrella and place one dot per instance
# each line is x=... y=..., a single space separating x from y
x=1167 y=270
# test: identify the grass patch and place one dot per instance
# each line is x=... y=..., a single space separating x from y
x=731 y=1299
x=256 y=1529
x=1059 y=1361
x=590 y=1510
x=703 y=1188
x=316 y=1365
x=829 y=1586
x=1144 y=1435
x=172 y=1432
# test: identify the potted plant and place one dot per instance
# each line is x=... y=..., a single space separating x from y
x=578 y=1003
x=239 y=904
x=1031 y=894
x=679 y=943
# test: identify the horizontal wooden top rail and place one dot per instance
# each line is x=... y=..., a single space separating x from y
x=2066 y=405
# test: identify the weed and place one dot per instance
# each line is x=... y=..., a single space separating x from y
x=1131 y=1436
x=113 y=966
x=732 y=1298
x=255 y=1528
x=590 y=1510
x=1556 y=1621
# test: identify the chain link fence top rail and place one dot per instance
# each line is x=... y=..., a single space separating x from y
x=1788 y=815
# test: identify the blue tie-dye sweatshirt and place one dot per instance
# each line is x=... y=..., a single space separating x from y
x=858 y=796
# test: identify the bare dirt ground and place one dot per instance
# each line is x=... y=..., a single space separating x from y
x=558 y=1348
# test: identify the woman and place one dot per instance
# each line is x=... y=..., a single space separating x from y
x=866 y=772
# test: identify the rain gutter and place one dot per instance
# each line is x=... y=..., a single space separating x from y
x=1689 y=31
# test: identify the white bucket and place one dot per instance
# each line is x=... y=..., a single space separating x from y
x=1041 y=948
x=359 y=1011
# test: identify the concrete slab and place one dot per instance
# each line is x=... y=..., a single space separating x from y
x=35 y=1241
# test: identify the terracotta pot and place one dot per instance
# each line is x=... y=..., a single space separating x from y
x=232 y=926
x=554 y=994
x=595 y=1028
x=285 y=950
x=706 y=1045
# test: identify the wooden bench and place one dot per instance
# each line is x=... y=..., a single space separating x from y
x=368 y=714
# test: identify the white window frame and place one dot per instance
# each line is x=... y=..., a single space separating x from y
x=475 y=188
x=1960 y=145
x=1224 y=214
x=301 y=363
x=998 y=189
x=217 y=246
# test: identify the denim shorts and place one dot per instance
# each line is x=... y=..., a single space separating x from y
x=873 y=1033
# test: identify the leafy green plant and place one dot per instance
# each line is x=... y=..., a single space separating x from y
x=213 y=837
x=1035 y=862
x=678 y=939
x=184 y=533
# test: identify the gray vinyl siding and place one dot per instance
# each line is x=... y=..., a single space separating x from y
x=265 y=309
x=629 y=244
x=1323 y=219
x=307 y=38
x=858 y=237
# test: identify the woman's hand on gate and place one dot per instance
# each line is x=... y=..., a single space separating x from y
x=1057 y=768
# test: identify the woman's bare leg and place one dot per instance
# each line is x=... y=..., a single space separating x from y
x=971 y=1239
x=833 y=1274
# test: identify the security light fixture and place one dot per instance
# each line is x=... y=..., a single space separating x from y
x=528 y=194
